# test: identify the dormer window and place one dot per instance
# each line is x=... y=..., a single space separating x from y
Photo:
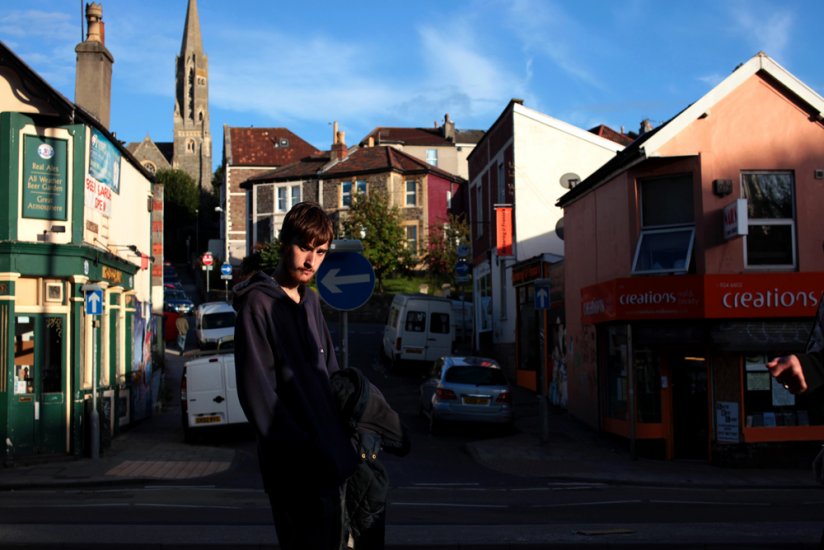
x=667 y=226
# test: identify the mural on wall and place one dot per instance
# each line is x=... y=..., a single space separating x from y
x=141 y=375
x=558 y=386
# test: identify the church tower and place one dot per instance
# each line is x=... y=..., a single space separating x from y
x=192 y=140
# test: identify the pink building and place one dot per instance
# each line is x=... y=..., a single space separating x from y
x=693 y=257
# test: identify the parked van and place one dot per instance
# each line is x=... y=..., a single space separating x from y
x=213 y=321
x=418 y=329
x=208 y=391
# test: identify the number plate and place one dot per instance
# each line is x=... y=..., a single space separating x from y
x=476 y=400
x=214 y=419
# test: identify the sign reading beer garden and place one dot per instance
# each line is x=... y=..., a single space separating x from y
x=45 y=165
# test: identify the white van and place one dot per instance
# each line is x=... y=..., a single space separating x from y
x=213 y=321
x=208 y=391
x=419 y=328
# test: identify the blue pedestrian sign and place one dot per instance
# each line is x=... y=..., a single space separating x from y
x=345 y=280
x=541 y=294
x=226 y=271
x=94 y=302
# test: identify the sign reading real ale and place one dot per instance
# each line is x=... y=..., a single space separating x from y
x=45 y=162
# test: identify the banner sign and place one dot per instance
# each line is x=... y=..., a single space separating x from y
x=735 y=219
x=104 y=162
x=103 y=177
x=45 y=186
x=734 y=296
x=503 y=235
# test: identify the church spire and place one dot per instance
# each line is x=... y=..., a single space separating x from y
x=192 y=139
x=192 y=41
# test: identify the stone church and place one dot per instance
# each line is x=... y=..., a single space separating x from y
x=191 y=150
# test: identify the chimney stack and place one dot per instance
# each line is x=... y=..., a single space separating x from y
x=93 y=78
x=646 y=126
x=448 y=129
x=339 y=151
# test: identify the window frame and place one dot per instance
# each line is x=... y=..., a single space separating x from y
x=413 y=193
x=652 y=229
x=760 y=222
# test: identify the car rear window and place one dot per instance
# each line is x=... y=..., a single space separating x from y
x=219 y=320
x=481 y=376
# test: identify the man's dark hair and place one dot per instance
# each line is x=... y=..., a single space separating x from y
x=307 y=223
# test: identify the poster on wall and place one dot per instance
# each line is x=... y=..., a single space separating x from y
x=103 y=177
x=45 y=169
x=726 y=422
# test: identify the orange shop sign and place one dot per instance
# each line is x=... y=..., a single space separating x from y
x=503 y=236
x=775 y=295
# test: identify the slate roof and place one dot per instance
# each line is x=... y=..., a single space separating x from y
x=421 y=137
x=360 y=161
x=266 y=147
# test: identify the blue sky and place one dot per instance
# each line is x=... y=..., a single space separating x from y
x=302 y=65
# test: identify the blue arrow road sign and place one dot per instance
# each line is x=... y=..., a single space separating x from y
x=541 y=298
x=94 y=302
x=226 y=271
x=345 y=280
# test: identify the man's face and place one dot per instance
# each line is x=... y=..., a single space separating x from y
x=303 y=261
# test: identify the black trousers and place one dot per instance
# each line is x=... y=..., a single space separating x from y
x=307 y=520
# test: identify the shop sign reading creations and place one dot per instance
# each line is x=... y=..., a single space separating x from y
x=735 y=296
x=45 y=169
x=103 y=177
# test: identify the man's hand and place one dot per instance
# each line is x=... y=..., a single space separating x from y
x=787 y=370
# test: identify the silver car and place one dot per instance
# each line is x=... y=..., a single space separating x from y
x=466 y=389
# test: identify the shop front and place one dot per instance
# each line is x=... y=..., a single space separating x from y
x=540 y=329
x=682 y=360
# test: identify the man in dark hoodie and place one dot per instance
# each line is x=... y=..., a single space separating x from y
x=284 y=356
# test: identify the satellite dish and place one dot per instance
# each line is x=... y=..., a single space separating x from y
x=559 y=229
x=570 y=180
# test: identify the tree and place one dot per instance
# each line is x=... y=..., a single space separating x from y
x=181 y=201
x=378 y=226
x=442 y=251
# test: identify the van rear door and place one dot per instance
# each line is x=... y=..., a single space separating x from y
x=439 y=333
x=206 y=392
x=413 y=328
x=234 y=412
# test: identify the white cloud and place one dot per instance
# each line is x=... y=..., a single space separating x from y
x=765 y=29
x=544 y=29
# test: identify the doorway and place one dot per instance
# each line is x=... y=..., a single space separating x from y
x=37 y=412
x=689 y=407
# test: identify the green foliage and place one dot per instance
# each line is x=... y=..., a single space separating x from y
x=269 y=254
x=378 y=226
x=442 y=252
x=180 y=193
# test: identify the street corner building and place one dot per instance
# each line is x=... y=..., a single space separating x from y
x=80 y=262
x=692 y=258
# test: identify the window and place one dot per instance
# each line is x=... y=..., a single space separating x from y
x=770 y=241
x=281 y=207
x=667 y=225
x=479 y=211
x=347 y=190
x=439 y=323
x=287 y=197
x=501 y=184
x=415 y=321
x=412 y=238
x=411 y=193
x=432 y=156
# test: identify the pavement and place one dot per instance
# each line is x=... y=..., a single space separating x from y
x=153 y=452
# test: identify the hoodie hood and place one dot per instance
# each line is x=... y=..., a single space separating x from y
x=259 y=281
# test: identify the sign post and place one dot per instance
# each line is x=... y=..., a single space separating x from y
x=93 y=299
x=345 y=282
x=226 y=275
x=208 y=263
x=542 y=306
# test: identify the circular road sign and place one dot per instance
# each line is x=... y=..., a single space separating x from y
x=207 y=258
x=345 y=280
x=463 y=250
